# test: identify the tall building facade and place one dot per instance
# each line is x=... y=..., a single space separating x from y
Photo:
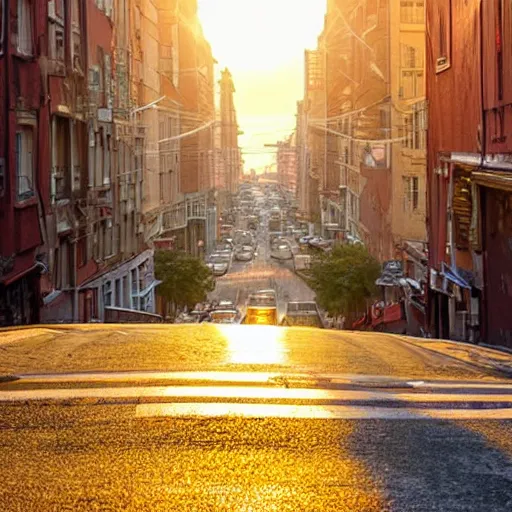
x=365 y=113
x=469 y=62
x=106 y=147
x=229 y=134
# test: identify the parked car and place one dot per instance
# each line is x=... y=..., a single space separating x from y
x=304 y=314
x=244 y=253
x=304 y=240
x=219 y=263
x=261 y=309
x=281 y=250
x=225 y=316
x=225 y=304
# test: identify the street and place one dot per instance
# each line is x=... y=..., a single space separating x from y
x=262 y=273
x=203 y=417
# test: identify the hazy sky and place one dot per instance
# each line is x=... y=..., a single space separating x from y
x=262 y=42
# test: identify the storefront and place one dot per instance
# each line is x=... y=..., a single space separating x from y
x=496 y=240
x=130 y=286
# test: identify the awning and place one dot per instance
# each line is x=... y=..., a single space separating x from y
x=146 y=290
x=496 y=179
x=452 y=276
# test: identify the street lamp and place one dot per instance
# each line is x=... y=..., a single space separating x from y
x=148 y=106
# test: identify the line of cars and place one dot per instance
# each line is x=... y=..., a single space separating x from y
x=239 y=246
x=221 y=312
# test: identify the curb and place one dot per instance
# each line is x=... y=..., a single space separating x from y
x=493 y=370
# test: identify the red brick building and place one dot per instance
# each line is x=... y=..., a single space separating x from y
x=469 y=193
x=24 y=170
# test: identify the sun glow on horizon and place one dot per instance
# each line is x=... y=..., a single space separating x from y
x=262 y=42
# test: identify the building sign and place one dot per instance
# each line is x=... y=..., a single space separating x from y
x=462 y=207
x=105 y=115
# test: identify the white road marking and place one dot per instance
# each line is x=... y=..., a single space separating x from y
x=235 y=377
x=249 y=392
x=314 y=412
x=258 y=378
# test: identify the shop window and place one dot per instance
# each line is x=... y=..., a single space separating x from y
x=24 y=163
x=24 y=27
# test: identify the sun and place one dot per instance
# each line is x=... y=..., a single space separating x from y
x=263 y=35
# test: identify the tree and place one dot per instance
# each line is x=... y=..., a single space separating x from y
x=344 y=279
x=186 y=280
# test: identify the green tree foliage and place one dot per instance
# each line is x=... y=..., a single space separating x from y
x=344 y=279
x=186 y=280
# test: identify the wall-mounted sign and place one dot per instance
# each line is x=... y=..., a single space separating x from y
x=105 y=115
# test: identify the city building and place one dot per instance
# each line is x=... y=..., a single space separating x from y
x=24 y=159
x=470 y=170
x=287 y=164
x=229 y=134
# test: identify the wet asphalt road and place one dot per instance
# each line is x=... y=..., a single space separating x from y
x=93 y=454
x=263 y=272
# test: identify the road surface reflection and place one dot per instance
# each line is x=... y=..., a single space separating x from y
x=254 y=344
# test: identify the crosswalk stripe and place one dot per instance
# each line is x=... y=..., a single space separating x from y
x=250 y=392
x=216 y=410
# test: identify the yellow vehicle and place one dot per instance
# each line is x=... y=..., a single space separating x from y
x=261 y=309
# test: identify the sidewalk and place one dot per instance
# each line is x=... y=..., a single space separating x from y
x=474 y=355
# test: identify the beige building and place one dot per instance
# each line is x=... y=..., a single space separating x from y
x=408 y=119
x=367 y=135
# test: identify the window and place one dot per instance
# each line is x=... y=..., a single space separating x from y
x=62 y=157
x=2 y=26
x=411 y=57
x=411 y=193
x=24 y=163
x=412 y=84
x=56 y=34
x=25 y=27
x=81 y=247
x=411 y=72
x=107 y=294
x=118 y=296
x=126 y=293
x=76 y=42
x=415 y=127
x=442 y=46
x=499 y=46
x=412 y=11
x=63 y=265
x=107 y=242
